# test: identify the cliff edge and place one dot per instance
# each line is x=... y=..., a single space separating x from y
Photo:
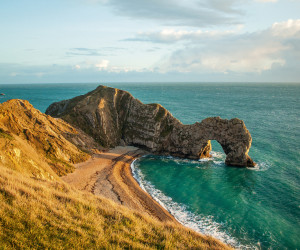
x=113 y=117
x=32 y=141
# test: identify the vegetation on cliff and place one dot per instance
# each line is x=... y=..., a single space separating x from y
x=38 y=210
x=32 y=140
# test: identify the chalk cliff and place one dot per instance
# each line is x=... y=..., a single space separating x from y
x=112 y=117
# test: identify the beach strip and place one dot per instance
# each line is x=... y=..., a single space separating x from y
x=108 y=174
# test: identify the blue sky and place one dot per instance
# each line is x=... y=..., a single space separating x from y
x=46 y=41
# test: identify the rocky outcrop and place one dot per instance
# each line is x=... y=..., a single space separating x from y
x=32 y=140
x=112 y=116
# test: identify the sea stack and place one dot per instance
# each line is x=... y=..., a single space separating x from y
x=113 y=117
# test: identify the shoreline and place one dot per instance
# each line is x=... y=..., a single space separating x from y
x=176 y=210
x=109 y=175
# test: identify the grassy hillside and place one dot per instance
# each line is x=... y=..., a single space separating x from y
x=32 y=139
x=39 y=211
x=50 y=214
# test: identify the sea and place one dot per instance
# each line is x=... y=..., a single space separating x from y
x=248 y=208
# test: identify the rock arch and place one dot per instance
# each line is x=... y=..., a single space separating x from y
x=114 y=116
x=232 y=135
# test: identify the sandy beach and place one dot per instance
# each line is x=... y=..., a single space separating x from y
x=109 y=174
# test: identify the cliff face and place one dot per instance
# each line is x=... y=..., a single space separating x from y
x=113 y=116
x=33 y=141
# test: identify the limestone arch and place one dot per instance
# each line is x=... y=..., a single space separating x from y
x=233 y=137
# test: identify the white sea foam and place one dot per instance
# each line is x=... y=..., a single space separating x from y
x=216 y=157
x=260 y=166
x=200 y=223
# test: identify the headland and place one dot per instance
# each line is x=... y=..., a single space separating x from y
x=114 y=117
x=100 y=134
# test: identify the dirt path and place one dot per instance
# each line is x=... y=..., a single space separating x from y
x=109 y=174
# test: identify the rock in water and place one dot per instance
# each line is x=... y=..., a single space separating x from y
x=112 y=116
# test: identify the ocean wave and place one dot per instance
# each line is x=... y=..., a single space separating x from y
x=218 y=155
x=217 y=158
x=261 y=166
x=199 y=223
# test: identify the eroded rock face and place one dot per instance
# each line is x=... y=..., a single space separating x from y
x=113 y=116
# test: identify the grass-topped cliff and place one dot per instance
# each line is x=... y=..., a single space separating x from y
x=38 y=210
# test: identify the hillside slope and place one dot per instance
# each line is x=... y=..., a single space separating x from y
x=39 y=214
x=39 y=211
x=31 y=140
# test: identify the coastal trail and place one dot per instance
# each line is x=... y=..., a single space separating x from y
x=108 y=174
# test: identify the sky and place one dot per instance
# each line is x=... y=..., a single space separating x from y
x=60 y=41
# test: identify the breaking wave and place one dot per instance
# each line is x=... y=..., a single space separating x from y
x=199 y=223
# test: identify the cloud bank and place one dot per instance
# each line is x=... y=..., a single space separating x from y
x=272 y=54
x=198 y=13
x=276 y=47
x=173 y=36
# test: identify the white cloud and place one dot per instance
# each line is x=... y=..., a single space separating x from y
x=172 y=35
x=116 y=69
x=240 y=53
x=288 y=29
x=102 y=65
x=256 y=60
x=240 y=57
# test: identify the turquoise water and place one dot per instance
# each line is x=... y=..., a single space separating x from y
x=257 y=208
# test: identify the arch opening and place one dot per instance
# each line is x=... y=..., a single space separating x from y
x=216 y=146
x=209 y=146
x=234 y=153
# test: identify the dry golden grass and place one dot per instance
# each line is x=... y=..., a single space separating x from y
x=39 y=211
x=50 y=214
